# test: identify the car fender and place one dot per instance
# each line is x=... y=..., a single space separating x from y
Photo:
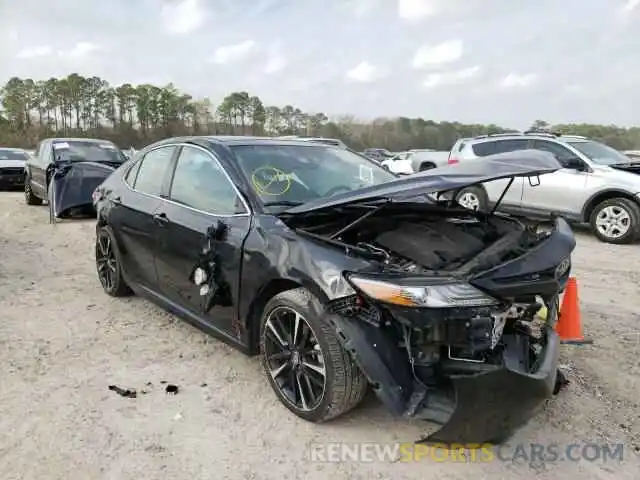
x=602 y=195
x=379 y=359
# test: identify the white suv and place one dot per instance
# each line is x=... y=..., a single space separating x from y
x=598 y=184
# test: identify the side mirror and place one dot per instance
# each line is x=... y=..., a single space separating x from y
x=574 y=163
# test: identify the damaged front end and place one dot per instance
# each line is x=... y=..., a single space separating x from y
x=71 y=186
x=454 y=337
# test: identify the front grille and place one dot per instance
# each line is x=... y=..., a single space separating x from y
x=12 y=171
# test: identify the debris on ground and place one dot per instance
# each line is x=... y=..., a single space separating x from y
x=171 y=389
x=123 y=392
x=561 y=382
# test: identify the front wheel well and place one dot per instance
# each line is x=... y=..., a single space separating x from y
x=270 y=290
x=601 y=197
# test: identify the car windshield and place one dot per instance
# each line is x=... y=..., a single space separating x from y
x=87 y=151
x=6 y=154
x=285 y=175
x=600 y=153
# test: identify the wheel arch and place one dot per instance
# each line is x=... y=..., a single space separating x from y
x=603 y=195
x=426 y=162
x=269 y=290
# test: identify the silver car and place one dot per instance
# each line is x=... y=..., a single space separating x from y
x=598 y=184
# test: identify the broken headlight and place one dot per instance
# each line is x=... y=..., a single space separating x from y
x=423 y=292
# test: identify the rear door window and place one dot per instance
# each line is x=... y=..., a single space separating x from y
x=153 y=169
x=485 y=148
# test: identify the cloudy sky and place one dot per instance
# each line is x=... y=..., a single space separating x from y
x=502 y=61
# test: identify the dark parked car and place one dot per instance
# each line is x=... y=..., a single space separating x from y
x=341 y=275
x=66 y=171
x=12 y=161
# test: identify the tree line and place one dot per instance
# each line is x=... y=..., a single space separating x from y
x=136 y=115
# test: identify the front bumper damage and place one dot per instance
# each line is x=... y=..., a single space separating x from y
x=475 y=402
x=481 y=404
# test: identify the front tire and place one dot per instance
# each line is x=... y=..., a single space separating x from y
x=29 y=196
x=108 y=264
x=307 y=368
x=616 y=220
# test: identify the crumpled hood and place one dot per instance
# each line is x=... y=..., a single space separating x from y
x=521 y=163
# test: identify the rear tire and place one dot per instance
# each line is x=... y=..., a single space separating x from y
x=616 y=220
x=29 y=196
x=343 y=386
x=426 y=166
x=473 y=198
x=108 y=263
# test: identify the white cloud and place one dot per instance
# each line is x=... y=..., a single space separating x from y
x=37 y=51
x=13 y=35
x=275 y=63
x=451 y=78
x=276 y=60
x=364 y=72
x=415 y=10
x=231 y=53
x=445 y=52
x=516 y=80
x=81 y=49
x=629 y=6
x=361 y=8
x=185 y=16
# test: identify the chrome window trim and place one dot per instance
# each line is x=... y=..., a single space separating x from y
x=215 y=159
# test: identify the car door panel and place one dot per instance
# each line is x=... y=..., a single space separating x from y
x=136 y=235
x=202 y=199
x=182 y=240
x=563 y=191
x=495 y=189
x=513 y=196
x=38 y=171
x=132 y=213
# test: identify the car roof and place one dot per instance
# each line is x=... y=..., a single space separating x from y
x=236 y=140
x=13 y=149
x=518 y=136
x=78 y=139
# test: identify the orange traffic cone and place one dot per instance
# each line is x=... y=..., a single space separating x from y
x=569 y=325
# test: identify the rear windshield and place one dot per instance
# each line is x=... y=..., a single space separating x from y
x=85 y=151
x=6 y=154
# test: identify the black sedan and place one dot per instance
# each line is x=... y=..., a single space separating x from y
x=66 y=171
x=341 y=275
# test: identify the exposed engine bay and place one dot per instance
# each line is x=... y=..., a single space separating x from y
x=446 y=341
x=428 y=238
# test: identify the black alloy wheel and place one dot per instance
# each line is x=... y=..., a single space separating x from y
x=294 y=359
x=306 y=364
x=108 y=264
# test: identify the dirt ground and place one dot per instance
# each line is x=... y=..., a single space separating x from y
x=63 y=341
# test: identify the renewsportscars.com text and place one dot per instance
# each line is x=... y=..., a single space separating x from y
x=467 y=453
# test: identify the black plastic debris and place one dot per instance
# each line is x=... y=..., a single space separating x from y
x=123 y=392
x=561 y=382
x=171 y=389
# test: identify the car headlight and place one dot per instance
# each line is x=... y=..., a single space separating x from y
x=428 y=293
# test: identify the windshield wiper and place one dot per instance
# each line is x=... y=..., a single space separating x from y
x=282 y=203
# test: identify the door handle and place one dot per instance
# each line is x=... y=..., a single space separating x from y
x=116 y=200
x=161 y=218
